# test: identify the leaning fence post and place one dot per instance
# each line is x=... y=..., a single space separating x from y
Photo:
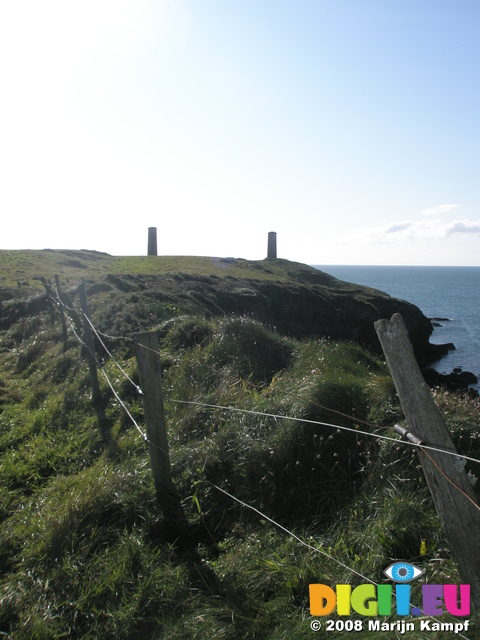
x=456 y=505
x=88 y=339
x=150 y=374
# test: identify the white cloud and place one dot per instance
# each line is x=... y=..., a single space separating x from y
x=435 y=229
x=443 y=208
x=462 y=226
x=396 y=227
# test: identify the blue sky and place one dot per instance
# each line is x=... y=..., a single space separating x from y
x=351 y=128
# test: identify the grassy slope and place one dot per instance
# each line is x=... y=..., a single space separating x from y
x=294 y=297
x=84 y=549
x=23 y=266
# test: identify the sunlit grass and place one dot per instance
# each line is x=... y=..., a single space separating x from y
x=85 y=550
x=20 y=269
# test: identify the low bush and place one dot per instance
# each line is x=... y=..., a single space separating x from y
x=187 y=332
x=250 y=350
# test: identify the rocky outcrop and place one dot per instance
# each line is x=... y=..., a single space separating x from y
x=334 y=310
x=457 y=380
x=308 y=303
x=294 y=298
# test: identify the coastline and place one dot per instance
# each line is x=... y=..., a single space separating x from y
x=449 y=297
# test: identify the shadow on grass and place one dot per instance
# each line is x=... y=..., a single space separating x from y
x=105 y=426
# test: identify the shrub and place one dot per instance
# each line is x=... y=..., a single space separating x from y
x=188 y=332
x=250 y=350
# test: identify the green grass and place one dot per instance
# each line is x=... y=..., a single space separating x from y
x=85 y=551
x=20 y=269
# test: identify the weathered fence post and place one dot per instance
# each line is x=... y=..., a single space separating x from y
x=88 y=339
x=150 y=374
x=62 y=313
x=51 y=296
x=459 y=517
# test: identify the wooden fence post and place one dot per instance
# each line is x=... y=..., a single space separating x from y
x=150 y=374
x=50 y=295
x=62 y=313
x=88 y=339
x=459 y=517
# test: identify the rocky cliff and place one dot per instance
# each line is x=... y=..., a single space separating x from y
x=296 y=299
x=308 y=303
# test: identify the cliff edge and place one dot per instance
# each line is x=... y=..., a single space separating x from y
x=294 y=298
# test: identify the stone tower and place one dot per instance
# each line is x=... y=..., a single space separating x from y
x=272 y=246
x=152 y=241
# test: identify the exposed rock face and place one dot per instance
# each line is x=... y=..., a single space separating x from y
x=312 y=303
x=458 y=380
x=335 y=311
x=296 y=299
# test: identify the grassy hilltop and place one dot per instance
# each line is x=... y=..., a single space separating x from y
x=296 y=299
x=85 y=550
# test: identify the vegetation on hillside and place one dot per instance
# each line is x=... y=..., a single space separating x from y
x=85 y=550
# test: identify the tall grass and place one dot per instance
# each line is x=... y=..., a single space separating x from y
x=85 y=551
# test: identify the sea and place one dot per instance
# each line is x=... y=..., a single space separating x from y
x=450 y=295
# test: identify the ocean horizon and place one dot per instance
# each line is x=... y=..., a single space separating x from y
x=450 y=296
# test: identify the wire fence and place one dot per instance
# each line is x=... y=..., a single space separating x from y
x=198 y=476
x=407 y=443
x=423 y=447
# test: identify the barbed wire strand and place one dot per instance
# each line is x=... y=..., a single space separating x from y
x=110 y=355
x=60 y=301
x=454 y=484
x=144 y=435
x=422 y=447
x=99 y=333
x=340 y=413
x=324 y=424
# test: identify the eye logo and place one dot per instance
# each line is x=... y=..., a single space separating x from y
x=403 y=572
